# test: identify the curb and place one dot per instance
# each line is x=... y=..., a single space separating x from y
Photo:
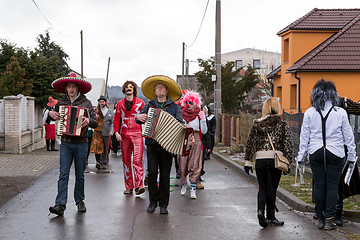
x=285 y=196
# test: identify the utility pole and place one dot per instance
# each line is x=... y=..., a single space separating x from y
x=182 y=65
x=82 y=55
x=217 y=89
x=107 y=77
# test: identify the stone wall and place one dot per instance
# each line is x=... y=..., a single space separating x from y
x=22 y=132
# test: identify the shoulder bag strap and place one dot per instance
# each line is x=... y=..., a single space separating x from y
x=271 y=142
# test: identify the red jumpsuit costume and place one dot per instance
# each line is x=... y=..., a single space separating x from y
x=132 y=141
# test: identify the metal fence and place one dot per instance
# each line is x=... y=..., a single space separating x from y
x=2 y=117
x=238 y=127
x=294 y=121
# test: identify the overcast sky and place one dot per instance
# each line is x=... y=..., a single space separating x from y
x=144 y=37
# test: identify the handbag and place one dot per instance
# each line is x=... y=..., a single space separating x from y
x=280 y=161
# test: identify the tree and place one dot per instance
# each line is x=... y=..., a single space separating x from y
x=247 y=83
x=13 y=81
x=8 y=50
x=48 y=62
x=234 y=86
x=41 y=66
x=204 y=77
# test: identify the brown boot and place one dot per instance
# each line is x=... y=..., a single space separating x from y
x=128 y=191
x=199 y=186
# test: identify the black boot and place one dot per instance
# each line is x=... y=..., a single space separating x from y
x=48 y=145
x=339 y=216
x=262 y=220
x=270 y=218
x=53 y=145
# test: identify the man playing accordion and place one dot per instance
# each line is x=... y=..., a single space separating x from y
x=73 y=148
x=163 y=92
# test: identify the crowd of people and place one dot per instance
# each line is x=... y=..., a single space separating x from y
x=326 y=140
x=144 y=162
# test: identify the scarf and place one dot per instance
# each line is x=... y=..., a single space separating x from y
x=190 y=115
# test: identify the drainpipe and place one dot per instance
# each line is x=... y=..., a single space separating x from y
x=298 y=78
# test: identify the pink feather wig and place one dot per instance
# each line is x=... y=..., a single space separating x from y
x=191 y=96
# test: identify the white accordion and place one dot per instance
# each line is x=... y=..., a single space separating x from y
x=167 y=131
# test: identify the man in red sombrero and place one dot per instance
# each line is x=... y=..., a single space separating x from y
x=50 y=130
x=73 y=148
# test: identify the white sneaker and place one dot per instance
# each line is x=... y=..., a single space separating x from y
x=193 y=193
x=183 y=189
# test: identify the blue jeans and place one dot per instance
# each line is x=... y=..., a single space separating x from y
x=68 y=153
x=326 y=180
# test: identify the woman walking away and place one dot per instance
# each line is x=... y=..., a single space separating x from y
x=324 y=132
x=270 y=125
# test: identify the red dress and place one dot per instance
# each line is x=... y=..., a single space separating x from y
x=132 y=141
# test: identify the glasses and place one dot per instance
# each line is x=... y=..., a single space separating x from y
x=129 y=87
x=190 y=103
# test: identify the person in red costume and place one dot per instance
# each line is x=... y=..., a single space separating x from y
x=129 y=136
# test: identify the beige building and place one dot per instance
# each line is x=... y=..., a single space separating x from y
x=263 y=61
x=189 y=82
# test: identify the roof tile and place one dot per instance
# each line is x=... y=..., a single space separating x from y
x=323 y=19
x=340 y=52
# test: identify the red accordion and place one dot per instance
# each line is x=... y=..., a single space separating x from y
x=70 y=121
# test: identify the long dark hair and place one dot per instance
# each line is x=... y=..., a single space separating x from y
x=322 y=92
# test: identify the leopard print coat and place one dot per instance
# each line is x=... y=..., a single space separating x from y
x=279 y=132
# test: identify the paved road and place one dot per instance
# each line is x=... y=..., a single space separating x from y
x=226 y=209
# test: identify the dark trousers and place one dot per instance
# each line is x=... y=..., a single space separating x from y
x=115 y=144
x=159 y=160
x=212 y=138
x=88 y=146
x=268 y=178
x=326 y=175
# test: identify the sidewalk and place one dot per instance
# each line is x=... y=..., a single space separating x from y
x=19 y=171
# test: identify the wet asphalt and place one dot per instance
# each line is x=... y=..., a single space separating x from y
x=225 y=209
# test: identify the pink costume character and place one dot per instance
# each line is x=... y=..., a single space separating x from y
x=130 y=137
x=195 y=118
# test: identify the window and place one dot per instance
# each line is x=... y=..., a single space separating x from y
x=293 y=96
x=238 y=64
x=256 y=64
x=286 y=50
x=279 y=94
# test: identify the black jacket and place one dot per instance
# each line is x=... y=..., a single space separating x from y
x=170 y=107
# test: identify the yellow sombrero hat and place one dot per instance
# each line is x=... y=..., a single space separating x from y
x=147 y=87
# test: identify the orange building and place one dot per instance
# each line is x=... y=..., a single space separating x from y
x=325 y=43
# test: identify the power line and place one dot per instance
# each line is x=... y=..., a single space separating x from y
x=200 y=24
x=47 y=19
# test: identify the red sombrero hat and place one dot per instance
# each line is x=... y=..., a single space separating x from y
x=60 y=84
x=52 y=102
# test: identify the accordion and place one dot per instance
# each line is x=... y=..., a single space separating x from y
x=167 y=131
x=71 y=118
